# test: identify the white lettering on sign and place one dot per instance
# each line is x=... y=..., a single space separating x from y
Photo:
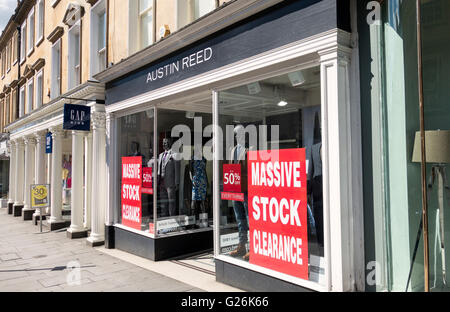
x=131 y=213
x=187 y=62
x=77 y=115
x=278 y=246
x=278 y=174
x=284 y=210
x=131 y=171
x=131 y=192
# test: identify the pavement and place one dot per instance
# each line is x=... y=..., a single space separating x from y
x=50 y=262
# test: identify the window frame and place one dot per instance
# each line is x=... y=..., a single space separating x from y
x=39 y=98
x=22 y=100
x=140 y=15
x=29 y=106
x=40 y=15
x=56 y=88
x=31 y=31
x=74 y=78
x=189 y=16
x=15 y=55
x=95 y=53
x=23 y=42
x=134 y=33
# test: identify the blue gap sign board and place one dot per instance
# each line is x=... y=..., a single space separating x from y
x=77 y=117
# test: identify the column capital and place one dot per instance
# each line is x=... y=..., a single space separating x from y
x=56 y=132
x=20 y=142
x=40 y=135
x=98 y=120
x=30 y=140
x=78 y=133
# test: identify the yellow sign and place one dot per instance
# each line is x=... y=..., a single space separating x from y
x=39 y=196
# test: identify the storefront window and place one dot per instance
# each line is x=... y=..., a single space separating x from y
x=172 y=177
x=270 y=174
x=184 y=173
x=135 y=137
x=397 y=244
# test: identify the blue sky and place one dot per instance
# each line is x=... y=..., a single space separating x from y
x=6 y=10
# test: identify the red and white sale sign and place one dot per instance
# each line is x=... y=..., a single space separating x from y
x=277 y=201
x=147 y=185
x=232 y=182
x=131 y=192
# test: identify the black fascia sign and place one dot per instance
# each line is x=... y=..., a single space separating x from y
x=77 y=117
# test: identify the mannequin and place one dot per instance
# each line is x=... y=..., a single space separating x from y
x=169 y=179
x=238 y=156
x=199 y=180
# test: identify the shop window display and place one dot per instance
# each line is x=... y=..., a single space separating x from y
x=177 y=181
x=184 y=175
x=270 y=174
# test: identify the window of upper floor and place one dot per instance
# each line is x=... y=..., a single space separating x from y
x=23 y=40
x=31 y=31
x=21 y=101
x=14 y=48
x=40 y=7
x=98 y=38
x=3 y=63
x=30 y=95
x=141 y=24
x=55 y=89
x=39 y=89
x=6 y=111
x=189 y=10
x=8 y=54
x=74 y=56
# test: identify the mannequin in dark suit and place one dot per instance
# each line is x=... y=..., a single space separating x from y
x=239 y=156
x=169 y=179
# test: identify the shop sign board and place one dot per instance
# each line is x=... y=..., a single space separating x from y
x=48 y=143
x=131 y=192
x=277 y=198
x=232 y=183
x=147 y=184
x=77 y=117
x=40 y=196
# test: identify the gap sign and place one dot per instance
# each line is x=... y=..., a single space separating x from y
x=77 y=117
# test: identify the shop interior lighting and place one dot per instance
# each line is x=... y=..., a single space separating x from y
x=297 y=78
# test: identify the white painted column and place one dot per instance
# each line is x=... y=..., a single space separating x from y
x=20 y=164
x=87 y=180
x=338 y=180
x=98 y=203
x=48 y=178
x=56 y=221
x=12 y=172
x=77 y=229
x=40 y=158
x=30 y=148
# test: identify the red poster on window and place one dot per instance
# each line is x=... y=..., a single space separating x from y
x=278 y=212
x=131 y=192
x=147 y=185
x=232 y=183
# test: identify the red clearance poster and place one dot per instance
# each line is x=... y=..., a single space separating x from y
x=147 y=185
x=277 y=201
x=232 y=182
x=131 y=192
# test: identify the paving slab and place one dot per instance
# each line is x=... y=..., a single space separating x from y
x=35 y=262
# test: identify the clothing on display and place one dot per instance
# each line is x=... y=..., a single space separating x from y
x=239 y=156
x=169 y=180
